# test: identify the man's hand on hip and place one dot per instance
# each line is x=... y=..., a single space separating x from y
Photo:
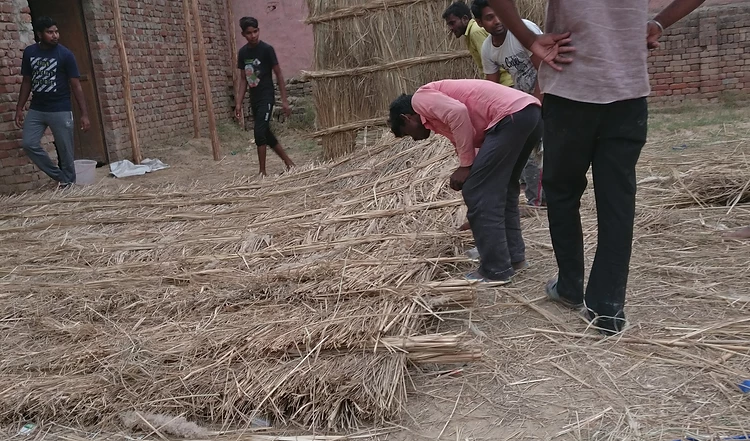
x=551 y=49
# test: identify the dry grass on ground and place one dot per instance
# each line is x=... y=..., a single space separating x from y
x=215 y=298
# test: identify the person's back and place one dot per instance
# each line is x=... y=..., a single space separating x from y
x=611 y=55
x=486 y=104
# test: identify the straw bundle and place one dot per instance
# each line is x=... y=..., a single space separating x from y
x=369 y=52
x=722 y=183
x=302 y=299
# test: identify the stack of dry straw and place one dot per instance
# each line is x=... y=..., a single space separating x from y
x=302 y=299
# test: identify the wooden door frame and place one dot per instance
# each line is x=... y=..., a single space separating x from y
x=97 y=96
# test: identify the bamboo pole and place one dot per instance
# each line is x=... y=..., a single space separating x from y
x=206 y=84
x=125 y=67
x=191 y=70
x=232 y=57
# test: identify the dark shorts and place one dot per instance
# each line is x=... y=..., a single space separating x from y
x=262 y=112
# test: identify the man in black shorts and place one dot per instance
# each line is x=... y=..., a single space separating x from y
x=256 y=60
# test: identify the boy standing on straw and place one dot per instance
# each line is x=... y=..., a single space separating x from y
x=595 y=116
x=505 y=125
x=257 y=59
x=50 y=71
x=458 y=18
x=502 y=51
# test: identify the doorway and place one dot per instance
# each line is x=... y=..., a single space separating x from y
x=73 y=35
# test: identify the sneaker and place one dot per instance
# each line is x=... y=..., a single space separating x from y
x=64 y=185
x=552 y=294
x=473 y=254
x=606 y=325
x=477 y=277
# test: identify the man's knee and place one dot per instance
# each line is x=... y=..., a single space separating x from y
x=260 y=137
x=30 y=146
x=471 y=197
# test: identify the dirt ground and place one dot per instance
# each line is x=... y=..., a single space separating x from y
x=570 y=385
x=191 y=160
x=544 y=375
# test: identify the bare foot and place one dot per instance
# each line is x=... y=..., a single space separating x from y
x=465 y=227
x=742 y=233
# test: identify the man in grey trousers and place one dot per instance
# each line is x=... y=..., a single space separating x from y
x=50 y=71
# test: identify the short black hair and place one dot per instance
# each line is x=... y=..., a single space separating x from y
x=400 y=106
x=41 y=24
x=477 y=6
x=248 y=22
x=459 y=9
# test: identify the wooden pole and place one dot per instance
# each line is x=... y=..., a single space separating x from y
x=233 y=57
x=206 y=84
x=125 y=67
x=191 y=70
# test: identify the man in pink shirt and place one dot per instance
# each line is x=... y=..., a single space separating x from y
x=505 y=125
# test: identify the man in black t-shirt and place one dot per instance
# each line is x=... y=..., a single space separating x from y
x=50 y=74
x=257 y=60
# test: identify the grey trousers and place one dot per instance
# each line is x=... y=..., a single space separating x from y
x=492 y=191
x=61 y=124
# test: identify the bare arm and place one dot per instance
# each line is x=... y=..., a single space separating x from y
x=508 y=13
x=549 y=47
x=536 y=61
x=667 y=17
x=495 y=77
x=242 y=89
x=677 y=10
x=282 y=89
x=81 y=100
x=23 y=97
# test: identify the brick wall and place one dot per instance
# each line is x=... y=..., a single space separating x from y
x=703 y=57
x=299 y=94
x=16 y=172
x=155 y=41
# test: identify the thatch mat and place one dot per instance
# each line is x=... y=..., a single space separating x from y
x=207 y=302
x=367 y=52
x=301 y=298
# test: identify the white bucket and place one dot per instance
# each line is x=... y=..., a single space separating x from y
x=85 y=171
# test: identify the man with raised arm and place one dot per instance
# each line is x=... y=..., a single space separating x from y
x=595 y=115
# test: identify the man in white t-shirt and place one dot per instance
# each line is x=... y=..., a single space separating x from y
x=502 y=51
